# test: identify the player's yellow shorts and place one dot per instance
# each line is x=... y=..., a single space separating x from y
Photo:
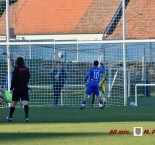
x=8 y=96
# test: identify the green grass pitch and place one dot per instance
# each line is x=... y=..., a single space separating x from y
x=71 y=126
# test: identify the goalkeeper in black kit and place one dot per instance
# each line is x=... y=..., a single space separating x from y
x=19 y=88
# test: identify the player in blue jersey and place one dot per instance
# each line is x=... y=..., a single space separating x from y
x=93 y=84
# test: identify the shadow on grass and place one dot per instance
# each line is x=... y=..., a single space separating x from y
x=35 y=135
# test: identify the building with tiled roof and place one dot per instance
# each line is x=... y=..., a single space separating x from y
x=50 y=17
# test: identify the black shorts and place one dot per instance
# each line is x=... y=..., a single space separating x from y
x=20 y=95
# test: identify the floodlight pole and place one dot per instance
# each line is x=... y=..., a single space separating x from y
x=8 y=40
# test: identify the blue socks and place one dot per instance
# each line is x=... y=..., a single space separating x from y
x=101 y=103
x=83 y=103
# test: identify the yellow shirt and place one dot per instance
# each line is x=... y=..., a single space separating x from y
x=102 y=86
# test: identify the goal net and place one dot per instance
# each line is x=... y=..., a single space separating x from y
x=77 y=59
x=42 y=58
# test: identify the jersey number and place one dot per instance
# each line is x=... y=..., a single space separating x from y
x=96 y=75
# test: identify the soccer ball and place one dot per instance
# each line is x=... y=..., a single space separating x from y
x=132 y=104
x=60 y=55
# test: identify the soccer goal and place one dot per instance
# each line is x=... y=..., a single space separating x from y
x=42 y=58
x=145 y=95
